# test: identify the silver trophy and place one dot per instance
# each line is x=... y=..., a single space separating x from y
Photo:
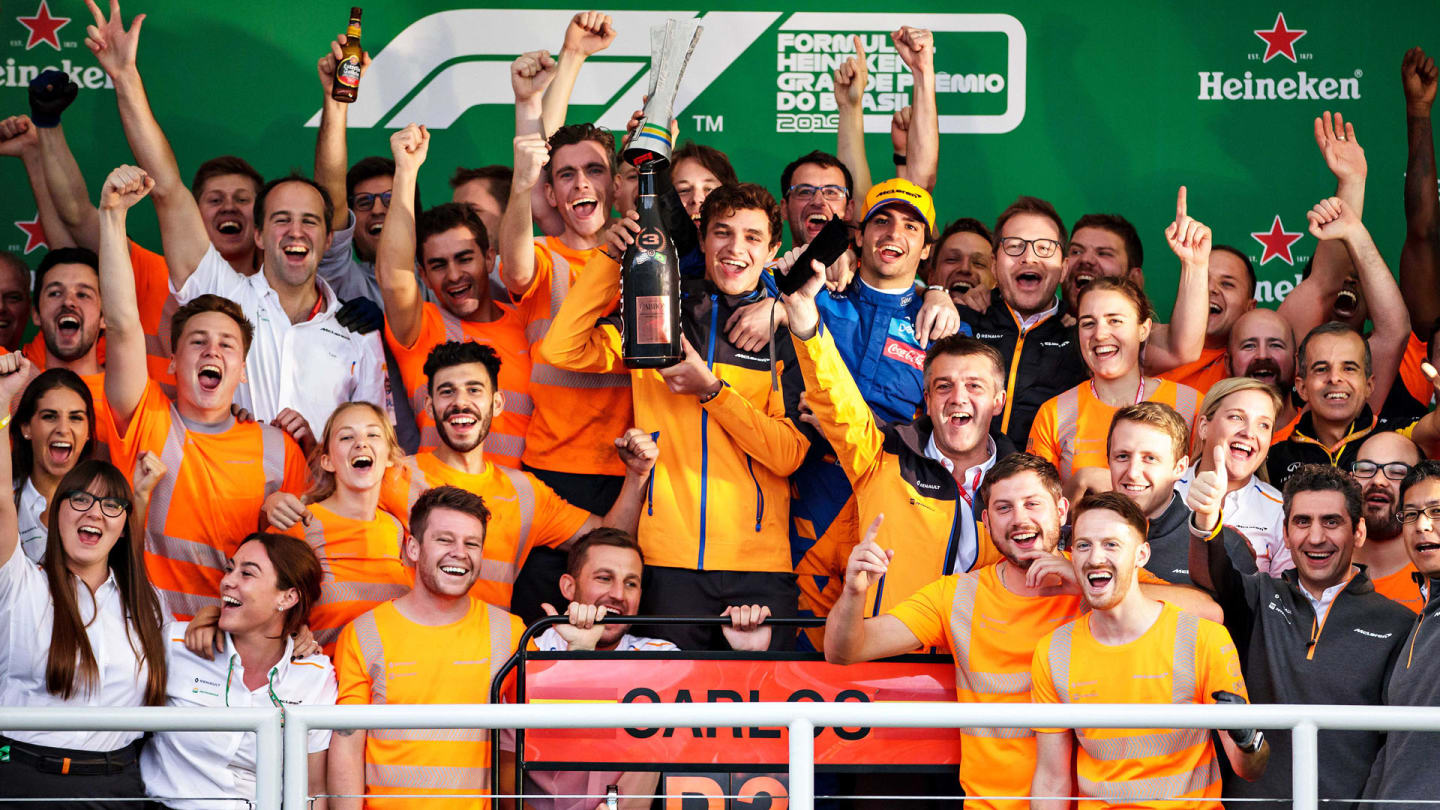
x=670 y=47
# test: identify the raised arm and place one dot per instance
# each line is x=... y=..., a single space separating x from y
x=50 y=94
x=125 y=367
x=1334 y=220
x=529 y=76
x=331 y=152
x=588 y=33
x=20 y=138
x=850 y=637
x=850 y=79
x=395 y=254
x=1210 y=567
x=1182 y=340
x=916 y=47
x=1420 y=256
x=1307 y=305
x=14 y=376
x=182 y=231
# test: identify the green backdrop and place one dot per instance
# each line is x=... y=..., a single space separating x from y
x=1096 y=106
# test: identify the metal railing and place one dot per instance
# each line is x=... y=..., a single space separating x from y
x=801 y=719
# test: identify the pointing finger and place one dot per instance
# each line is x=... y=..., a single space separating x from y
x=1180 y=205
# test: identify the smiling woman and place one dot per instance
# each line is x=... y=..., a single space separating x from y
x=53 y=429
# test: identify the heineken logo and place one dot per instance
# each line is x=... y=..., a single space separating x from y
x=44 y=27
x=1259 y=85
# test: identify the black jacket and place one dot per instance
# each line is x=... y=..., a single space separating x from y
x=1042 y=363
x=1303 y=448
x=1288 y=656
x=1406 y=767
x=1169 y=539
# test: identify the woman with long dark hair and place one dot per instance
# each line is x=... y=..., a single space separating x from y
x=269 y=588
x=81 y=629
x=52 y=430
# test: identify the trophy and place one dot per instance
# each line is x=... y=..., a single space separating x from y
x=670 y=47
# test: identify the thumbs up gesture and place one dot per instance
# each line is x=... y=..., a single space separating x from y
x=1207 y=491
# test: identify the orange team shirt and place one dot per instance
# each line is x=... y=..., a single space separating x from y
x=1410 y=374
x=1212 y=367
x=524 y=513
x=383 y=657
x=992 y=633
x=506 y=336
x=1138 y=768
x=362 y=567
x=1283 y=431
x=219 y=476
x=577 y=415
x=1402 y=587
x=1070 y=430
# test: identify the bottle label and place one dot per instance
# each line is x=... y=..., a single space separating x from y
x=347 y=73
x=651 y=239
x=652 y=319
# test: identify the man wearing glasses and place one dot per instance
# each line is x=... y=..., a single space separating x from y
x=1041 y=353
x=1319 y=633
x=1383 y=462
x=1405 y=768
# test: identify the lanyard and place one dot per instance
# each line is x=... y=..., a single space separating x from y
x=269 y=687
x=1139 y=392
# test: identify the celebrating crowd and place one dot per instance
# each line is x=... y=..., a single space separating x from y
x=327 y=445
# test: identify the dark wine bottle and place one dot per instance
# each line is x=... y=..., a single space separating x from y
x=650 y=284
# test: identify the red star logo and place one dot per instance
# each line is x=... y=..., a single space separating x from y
x=43 y=27
x=34 y=234
x=1279 y=40
x=1277 y=242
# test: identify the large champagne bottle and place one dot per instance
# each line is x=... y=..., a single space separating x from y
x=650 y=284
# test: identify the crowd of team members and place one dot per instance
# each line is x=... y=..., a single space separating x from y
x=425 y=414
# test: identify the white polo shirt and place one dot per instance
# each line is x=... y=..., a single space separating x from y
x=1257 y=511
x=26 y=617
x=312 y=366
x=215 y=764
x=30 y=512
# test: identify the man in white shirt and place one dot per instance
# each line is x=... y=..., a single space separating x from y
x=603 y=578
x=302 y=359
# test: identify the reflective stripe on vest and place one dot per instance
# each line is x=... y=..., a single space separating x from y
x=1060 y=660
x=425 y=777
x=1067 y=426
x=559 y=288
x=418 y=482
x=980 y=683
x=272 y=456
x=185 y=604
x=1185 y=403
x=544 y=374
x=505 y=572
x=1156 y=787
x=372 y=654
x=160 y=544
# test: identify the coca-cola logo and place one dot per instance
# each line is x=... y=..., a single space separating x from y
x=651 y=239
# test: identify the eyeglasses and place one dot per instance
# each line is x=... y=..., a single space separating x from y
x=1394 y=470
x=1412 y=515
x=364 y=202
x=81 y=501
x=806 y=192
x=1015 y=246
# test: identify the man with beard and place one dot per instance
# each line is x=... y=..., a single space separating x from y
x=1130 y=648
x=452 y=246
x=1319 y=633
x=219 y=470
x=1335 y=377
x=1231 y=291
x=989 y=619
x=1146 y=449
x=67 y=310
x=463 y=401
x=1382 y=463
x=1262 y=346
x=1405 y=769
x=603 y=577
x=14 y=300
x=450 y=644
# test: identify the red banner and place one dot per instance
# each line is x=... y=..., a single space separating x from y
x=738 y=681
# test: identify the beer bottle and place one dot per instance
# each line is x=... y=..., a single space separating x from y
x=347 y=71
x=650 y=284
